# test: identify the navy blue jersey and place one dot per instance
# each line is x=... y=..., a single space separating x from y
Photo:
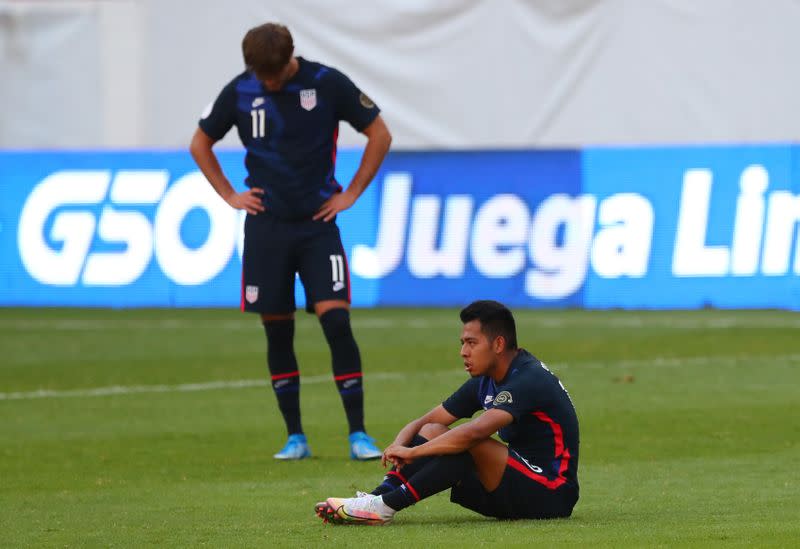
x=290 y=134
x=544 y=432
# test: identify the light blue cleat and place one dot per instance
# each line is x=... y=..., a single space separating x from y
x=362 y=447
x=296 y=448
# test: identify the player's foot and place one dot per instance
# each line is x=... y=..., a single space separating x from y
x=368 y=510
x=296 y=448
x=362 y=447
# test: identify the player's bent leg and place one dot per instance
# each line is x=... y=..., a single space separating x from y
x=432 y=430
x=394 y=478
x=490 y=456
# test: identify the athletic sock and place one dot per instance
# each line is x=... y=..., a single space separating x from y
x=283 y=369
x=395 y=478
x=346 y=365
x=438 y=474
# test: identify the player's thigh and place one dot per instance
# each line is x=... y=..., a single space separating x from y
x=268 y=266
x=524 y=497
x=490 y=457
x=516 y=497
x=322 y=265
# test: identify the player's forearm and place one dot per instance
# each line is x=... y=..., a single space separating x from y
x=455 y=441
x=407 y=433
x=374 y=153
x=208 y=163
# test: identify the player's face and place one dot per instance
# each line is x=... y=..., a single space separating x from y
x=476 y=350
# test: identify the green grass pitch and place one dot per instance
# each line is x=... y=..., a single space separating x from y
x=113 y=432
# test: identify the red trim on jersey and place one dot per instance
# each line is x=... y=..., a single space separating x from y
x=349 y=288
x=284 y=376
x=397 y=474
x=560 y=452
x=241 y=292
x=333 y=152
x=413 y=492
x=558 y=436
x=552 y=484
x=347 y=376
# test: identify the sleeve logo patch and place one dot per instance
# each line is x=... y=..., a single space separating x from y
x=366 y=102
x=502 y=398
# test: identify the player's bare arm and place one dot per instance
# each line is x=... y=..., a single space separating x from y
x=378 y=141
x=202 y=151
x=454 y=441
x=437 y=415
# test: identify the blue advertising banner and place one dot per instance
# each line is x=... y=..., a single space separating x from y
x=677 y=227
x=455 y=226
x=694 y=227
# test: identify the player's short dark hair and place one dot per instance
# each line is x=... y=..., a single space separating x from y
x=495 y=318
x=267 y=49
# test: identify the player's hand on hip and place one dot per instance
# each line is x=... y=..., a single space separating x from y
x=249 y=200
x=335 y=204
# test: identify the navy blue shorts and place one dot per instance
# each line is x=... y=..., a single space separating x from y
x=520 y=494
x=275 y=250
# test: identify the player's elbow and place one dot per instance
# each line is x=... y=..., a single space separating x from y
x=474 y=434
x=200 y=144
x=378 y=133
x=387 y=138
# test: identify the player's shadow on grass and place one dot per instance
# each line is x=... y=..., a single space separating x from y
x=463 y=520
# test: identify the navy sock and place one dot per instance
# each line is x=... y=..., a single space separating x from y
x=283 y=369
x=346 y=365
x=440 y=473
x=396 y=478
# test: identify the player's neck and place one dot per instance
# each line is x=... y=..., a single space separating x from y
x=499 y=372
x=294 y=66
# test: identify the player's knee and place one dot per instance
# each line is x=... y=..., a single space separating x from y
x=432 y=430
x=267 y=317
x=336 y=324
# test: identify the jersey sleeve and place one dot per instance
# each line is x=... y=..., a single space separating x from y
x=217 y=120
x=517 y=397
x=351 y=104
x=465 y=401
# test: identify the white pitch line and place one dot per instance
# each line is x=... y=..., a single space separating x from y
x=181 y=388
x=382 y=376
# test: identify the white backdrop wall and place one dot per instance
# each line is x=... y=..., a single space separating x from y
x=447 y=73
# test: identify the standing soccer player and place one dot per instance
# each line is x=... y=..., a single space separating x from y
x=534 y=476
x=286 y=111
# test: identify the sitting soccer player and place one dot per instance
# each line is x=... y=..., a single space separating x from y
x=535 y=476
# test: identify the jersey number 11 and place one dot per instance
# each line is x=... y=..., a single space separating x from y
x=259 y=118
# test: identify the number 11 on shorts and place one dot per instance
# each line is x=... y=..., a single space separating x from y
x=337 y=272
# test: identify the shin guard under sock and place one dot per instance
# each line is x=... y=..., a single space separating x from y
x=346 y=365
x=440 y=473
x=283 y=369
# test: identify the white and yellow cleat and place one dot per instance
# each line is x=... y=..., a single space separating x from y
x=368 y=510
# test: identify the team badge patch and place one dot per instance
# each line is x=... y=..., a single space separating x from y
x=502 y=398
x=308 y=99
x=251 y=294
x=366 y=102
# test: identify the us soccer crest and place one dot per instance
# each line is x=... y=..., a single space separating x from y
x=251 y=294
x=308 y=99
